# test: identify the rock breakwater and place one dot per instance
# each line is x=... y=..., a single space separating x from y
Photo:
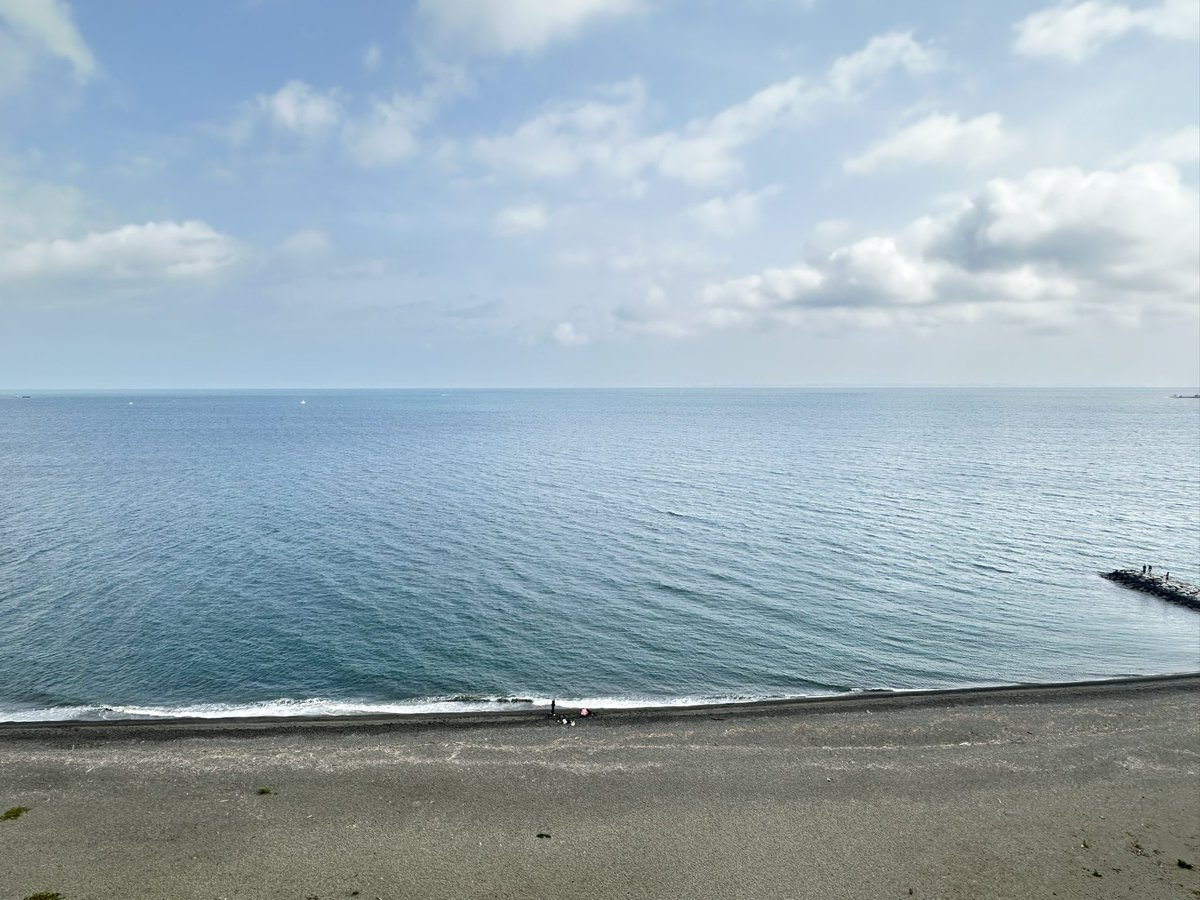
x=1159 y=585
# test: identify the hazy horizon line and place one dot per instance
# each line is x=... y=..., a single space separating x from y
x=21 y=391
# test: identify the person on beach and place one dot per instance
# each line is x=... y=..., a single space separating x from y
x=552 y=702
x=1143 y=572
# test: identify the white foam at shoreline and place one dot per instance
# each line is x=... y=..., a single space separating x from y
x=316 y=706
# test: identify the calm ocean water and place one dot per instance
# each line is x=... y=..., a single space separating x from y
x=246 y=553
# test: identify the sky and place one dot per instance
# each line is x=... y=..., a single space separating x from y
x=556 y=193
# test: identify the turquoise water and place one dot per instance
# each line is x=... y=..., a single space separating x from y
x=242 y=553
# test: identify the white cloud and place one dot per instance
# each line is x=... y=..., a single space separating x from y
x=566 y=334
x=518 y=26
x=732 y=214
x=1075 y=32
x=372 y=58
x=388 y=133
x=937 y=139
x=52 y=237
x=1136 y=229
x=705 y=151
x=1050 y=248
x=603 y=135
x=850 y=75
x=1181 y=146
x=569 y=137
x=380 y=132
x=33 y=32
x=307 y=243
x=132 y=254
x=521 y=220
x=763 y=292
x=296 y=109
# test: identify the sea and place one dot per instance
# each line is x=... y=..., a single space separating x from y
x=288 y=552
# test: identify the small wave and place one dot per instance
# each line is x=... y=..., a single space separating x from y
x=468 y=698
x=984 y=567
x=688 y=517
x=279 y=708
x=321 y=707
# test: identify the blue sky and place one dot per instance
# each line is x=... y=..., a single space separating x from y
x=598 y=192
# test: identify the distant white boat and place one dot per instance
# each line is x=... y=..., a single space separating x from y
x=302 y=402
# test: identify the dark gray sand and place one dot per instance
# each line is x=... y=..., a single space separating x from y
x=1086 y=791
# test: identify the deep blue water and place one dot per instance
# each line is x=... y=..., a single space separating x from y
x=234 y=553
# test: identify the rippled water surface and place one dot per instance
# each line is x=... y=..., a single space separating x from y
x=225 y=554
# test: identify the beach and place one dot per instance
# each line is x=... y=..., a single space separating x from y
x=1073 y=791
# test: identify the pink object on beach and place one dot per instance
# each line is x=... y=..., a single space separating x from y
x=584 y=712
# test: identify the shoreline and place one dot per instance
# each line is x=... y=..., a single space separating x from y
x=185 y=726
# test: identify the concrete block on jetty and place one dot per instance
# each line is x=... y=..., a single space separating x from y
x=1175 y=591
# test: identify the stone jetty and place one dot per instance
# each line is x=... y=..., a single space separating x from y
x=1176 y=591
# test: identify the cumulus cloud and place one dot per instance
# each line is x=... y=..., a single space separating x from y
x=518 y=26
x=1054 y=246
x=132 y=253
x=937 y=139
x=521 y=220
x=37 y=32
x=735 y=213
x=52 y=240
x=1136 y=229
x=56 y=241
x=603 y=135
x=1076 y=31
